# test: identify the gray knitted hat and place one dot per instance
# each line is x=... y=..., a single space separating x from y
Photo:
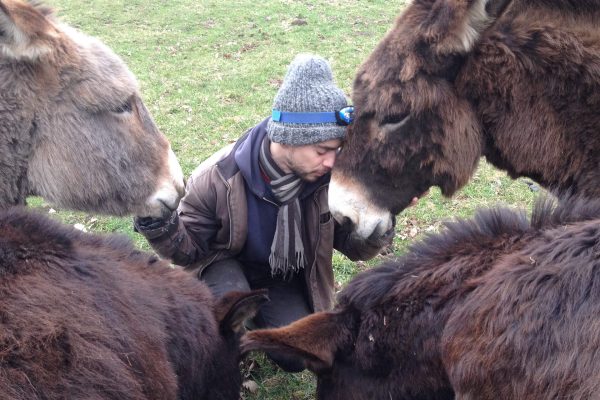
x=307 y=87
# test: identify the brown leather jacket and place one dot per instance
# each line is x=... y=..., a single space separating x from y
x=211 y=224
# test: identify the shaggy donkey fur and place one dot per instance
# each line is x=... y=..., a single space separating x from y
x=89 y=316
x=495 y=307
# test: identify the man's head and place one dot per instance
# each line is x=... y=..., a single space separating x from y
x=306 y=129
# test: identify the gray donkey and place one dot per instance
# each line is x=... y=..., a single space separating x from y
x=73 y=127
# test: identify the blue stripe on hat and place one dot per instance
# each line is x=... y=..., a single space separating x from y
x=304 y=117
x=342 y=117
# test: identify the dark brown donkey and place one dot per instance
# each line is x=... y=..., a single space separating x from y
x=85 y=316
x=73 y=127
x=496 y=307
x=515 y=81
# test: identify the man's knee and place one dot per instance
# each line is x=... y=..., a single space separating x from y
x=288 y=304
x=225 y=276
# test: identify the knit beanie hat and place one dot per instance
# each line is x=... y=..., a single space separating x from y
x=307 y=87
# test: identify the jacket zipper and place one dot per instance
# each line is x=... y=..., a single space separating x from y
x=228 y=186
x=271 y=202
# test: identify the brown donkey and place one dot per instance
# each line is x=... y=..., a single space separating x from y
x=496 y=307
x=515 y=81
x=87 y=316
x=73 y=127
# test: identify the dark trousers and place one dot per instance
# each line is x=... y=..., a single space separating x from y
x=287 y=300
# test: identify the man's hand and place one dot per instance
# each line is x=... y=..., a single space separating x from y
x=357 y=248
x=381 y=241
x=152 y=227
x=149 y=223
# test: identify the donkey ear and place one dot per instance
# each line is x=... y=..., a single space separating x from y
x=236 y=307
x=26 y=31
x=455 y=26
x=314 y=339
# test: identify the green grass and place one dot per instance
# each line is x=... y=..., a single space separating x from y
x=209 y=70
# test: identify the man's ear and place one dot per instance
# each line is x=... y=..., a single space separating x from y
x=236 y=307
x=314 y=339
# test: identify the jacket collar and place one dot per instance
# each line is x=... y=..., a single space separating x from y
x=246 y=157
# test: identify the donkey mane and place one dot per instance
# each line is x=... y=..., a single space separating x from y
x=375 y=286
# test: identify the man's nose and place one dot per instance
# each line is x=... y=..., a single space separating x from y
x=329 y=160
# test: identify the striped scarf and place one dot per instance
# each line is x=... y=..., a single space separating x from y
x=287 y=249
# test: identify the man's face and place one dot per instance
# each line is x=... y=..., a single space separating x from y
x=312 y=161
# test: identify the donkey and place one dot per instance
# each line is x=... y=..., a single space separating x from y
x=515 y=81
x=496 y=307
x=89 y=316
x=73 y=127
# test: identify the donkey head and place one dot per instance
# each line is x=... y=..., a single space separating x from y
x=351 y=363
x=73 y=127
x=411 y=130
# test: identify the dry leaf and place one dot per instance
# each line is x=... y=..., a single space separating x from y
x=250 y=386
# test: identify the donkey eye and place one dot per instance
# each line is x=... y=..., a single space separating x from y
x=395 y=122
x=394 y=119
x=123 y=108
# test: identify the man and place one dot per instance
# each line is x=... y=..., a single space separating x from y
x=258 y=217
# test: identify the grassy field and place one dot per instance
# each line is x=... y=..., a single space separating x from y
x=209 y=70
